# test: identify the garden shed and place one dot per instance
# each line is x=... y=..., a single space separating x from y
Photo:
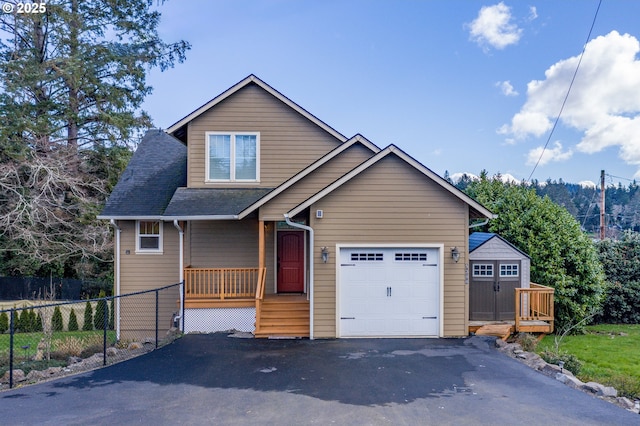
x=496 y=269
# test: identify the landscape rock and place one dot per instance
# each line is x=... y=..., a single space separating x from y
x=18 y=376
x=134 y=345
x=625 y=403
x=74 y=360
x=570 y=380
x=111 y=351
x=600 y=390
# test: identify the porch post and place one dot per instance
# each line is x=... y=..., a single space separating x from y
x=261 y=252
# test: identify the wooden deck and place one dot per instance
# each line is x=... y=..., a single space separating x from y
x=534 y=314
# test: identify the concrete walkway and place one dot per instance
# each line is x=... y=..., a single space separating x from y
x=213 y=379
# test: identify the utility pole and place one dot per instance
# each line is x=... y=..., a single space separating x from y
x=602 y=205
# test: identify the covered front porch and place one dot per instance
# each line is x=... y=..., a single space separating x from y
x=236 y=296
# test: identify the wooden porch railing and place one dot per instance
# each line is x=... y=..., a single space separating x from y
x=534 y=304
x=223 y=283
x=260 y=295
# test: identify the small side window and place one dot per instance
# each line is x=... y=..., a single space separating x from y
x=483 y=270
x=148 y=236
x=509 y=270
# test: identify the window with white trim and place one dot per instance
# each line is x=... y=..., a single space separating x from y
x=148 y=236
x=509 y=270
x=482 y=269
x=232 y=156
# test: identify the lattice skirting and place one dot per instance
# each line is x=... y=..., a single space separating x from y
x=211 y=320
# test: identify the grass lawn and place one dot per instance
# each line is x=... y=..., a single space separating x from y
x=610 y=355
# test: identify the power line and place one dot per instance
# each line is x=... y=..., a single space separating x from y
x=619 y=177
x=555 y=124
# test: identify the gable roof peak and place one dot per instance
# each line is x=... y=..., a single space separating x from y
x=253 y=79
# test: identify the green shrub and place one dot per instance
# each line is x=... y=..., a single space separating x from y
x=73 y=321
x=88 y=317
x=571 y=362
x=33 y=320
x=56 y=320
x=23 y=321
x=101 y=312
x=4 y=322
x=38 y=322
x=621 y=304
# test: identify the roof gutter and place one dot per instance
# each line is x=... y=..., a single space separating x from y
x=484 y=222
x=117 y=231
x=310 y=289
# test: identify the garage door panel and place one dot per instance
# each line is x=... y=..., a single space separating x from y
x=389 y=292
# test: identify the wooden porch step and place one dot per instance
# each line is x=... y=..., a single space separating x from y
x=502 y=331
x=283 y=316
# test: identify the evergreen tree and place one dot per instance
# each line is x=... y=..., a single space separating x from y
x=56 y=320
x=4 y=322
x=88 y=317
x=73 y=321
x=72 y=82
x=38 y=326
x=101 y=312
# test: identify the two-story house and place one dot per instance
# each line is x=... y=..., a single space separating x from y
x=280 y=225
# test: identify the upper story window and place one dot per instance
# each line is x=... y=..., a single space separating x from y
x=148 y=236
x=233 y=156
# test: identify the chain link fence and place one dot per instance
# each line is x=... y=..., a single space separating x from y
x=44 y=339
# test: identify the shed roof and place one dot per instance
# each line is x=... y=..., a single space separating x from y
x=477 y=239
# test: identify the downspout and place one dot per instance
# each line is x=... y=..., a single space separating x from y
x=310 y=289
x=178 y=317
x=117 y=231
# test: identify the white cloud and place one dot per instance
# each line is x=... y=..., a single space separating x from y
x=506 y=88
x=548 y=155
x=494 y=27
x=604 y=103
x=533 y=13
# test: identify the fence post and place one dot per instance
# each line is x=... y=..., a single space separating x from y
x=157 y=322
x=105 y=325
x=11 y=331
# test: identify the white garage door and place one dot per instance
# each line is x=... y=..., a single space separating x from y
x=389 y=292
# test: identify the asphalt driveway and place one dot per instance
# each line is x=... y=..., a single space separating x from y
x=213 y=379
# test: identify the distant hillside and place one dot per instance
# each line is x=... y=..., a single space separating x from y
x=622 y=204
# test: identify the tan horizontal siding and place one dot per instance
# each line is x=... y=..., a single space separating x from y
x=391 y=203
x=140 y=272
x=315 y=181
x=288 y=141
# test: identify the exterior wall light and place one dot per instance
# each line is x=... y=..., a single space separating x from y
x=325 y=254
x=455 y=254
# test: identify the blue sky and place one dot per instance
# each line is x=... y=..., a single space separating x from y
x=461 y=86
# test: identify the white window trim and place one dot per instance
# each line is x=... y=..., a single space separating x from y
x=139 y=250
x=515 y=267
x=476 y=270
x=233 y=157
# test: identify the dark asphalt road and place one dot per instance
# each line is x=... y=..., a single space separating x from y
x=213 y=379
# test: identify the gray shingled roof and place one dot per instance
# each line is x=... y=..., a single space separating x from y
x=189 y=202
x=156 y=170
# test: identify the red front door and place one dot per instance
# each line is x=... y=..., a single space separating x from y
x=290 y=261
